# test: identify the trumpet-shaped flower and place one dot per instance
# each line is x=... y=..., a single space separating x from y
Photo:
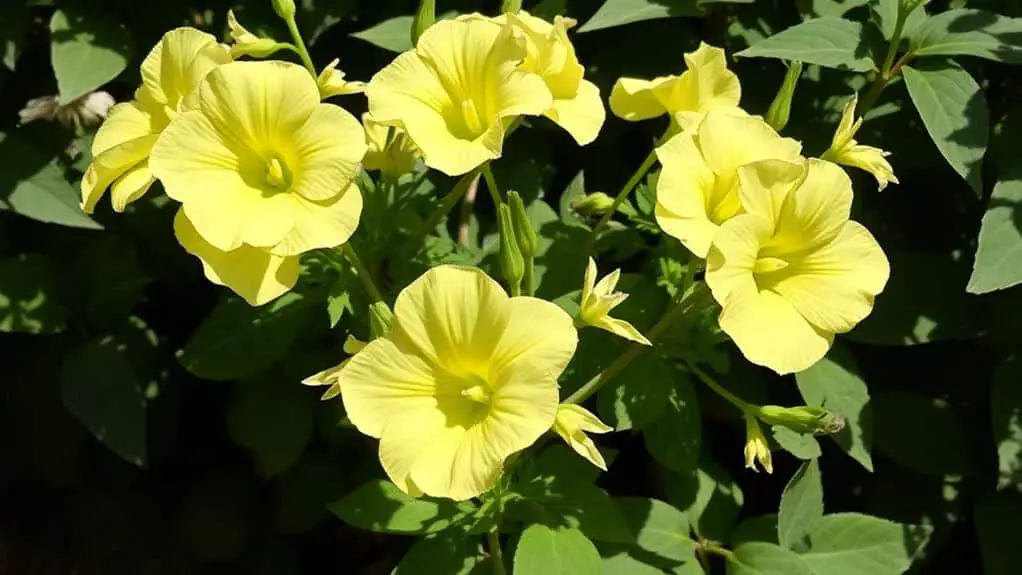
x=698 y=186
x=332 y=83
x=707 y=84
x=572 y=423
x=120 y=150
x=599 y=298
x=793 y=270
x=258 y=161
x=331 y=375
x=391 y=151
x=845 y=150
x=757 y=450
x=456 y=93
x=466 y=377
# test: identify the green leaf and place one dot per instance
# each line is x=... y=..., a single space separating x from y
x=559 y=500
x=394 y=34
x=709 y=496
x=661 y=529
x=544 y=550
x=33 y=186
x=998 y=262
x=14 y=22
x=101 y=389
x=674 y=438
x=28 y=296
x=923 y=434
x=761 y=558
x=886 y=14
x=997 y=517
x=87 y=50
x=619 y=12
x=801 y=505
x=451 y=553
x=576 y=188
x=1006 y=417
x=969 y=32
x=380 y=506
x=237 y=340
x=801 y=445
x=834 y=382
x=639 y=395
x=829 y=41
x=853 y=544
x=111 y=280
x=761 y=528
x=304 y=492
x=278 y=446
x=954 y=112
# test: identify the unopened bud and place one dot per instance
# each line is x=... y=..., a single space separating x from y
x=381 y=319
x=757 y=450
x=285 y=9
x=802 y=419
x=512 y=265
x=425 y=16
x=594 y=204
x=528 y=243
x=780 y=109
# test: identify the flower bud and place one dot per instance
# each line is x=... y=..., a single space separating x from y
x=802 y=419
x=425 y=16
x=757 y=450
x=528 y=243
x=380 y=319
x=512 y=265
x=285 y=9
x=594 y=204
x=780 y=108
x=511 y=6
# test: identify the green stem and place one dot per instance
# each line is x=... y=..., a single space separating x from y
x=496 y=553
x=362 y=271
x=445 y=206
x=717 y=388
x=300 y=48
x=491 y=184
x=527 y=279
x=714 y=549
x=678 y=308
x=623 y=194
x=884 y=75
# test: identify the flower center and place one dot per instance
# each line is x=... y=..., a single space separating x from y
x=473 y=120
x=477 y=390
x=768 y=264
x=277 y=174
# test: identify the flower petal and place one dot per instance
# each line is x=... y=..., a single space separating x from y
x=581 y=116
x=765 y=185
x=732 y=257
x=814 y=212
x=684 y=189
x=407 y=440
x=622 y=328
x=632 y=99
x=708 y=83
x=130 y=186
x=729 y=140
x=178 y=63
x=329 y=147
x=320 y=224
x=537 y=332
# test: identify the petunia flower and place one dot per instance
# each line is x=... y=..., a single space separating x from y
x=706 y=85
x=391 y=151
x=467 y=377
x=258 y=163
x=793 y=271
x=845 y=150
x=332 y=83
x=572 y=422
x=120 y=150
x=757 y=450
x=697 y=189
x=599 y=298
x=456 y=93
x=330 y=376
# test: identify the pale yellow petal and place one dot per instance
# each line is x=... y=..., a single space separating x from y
x=873 y=160
x=130 y=186
x=728 y=141
x=323 y=224
x=178 y=63
x=708 y=83
x=765 y=185
x=110 y=165
x=622 y=328
x=684 y=190
x=537 y=332
x=815 y=211
x=329 y=146
x=581 y=116
x=407 y=440
x=125 y=122
x=589 y=281
x=732 y=256
x=572 y=421
x=632 y=99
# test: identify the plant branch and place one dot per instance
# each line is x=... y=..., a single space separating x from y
x=300 y=48
x=467 y=205
x=362 y=271
x=623 y=194
x=496 y=553
x=445 y=206
x=717 y=388
x=491 y=184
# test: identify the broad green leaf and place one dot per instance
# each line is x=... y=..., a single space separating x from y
x=14 y=23
x=544 y=550
x=557 y=499
x=761 y=528
x=802 y=445
x=87 y=50
x=101 y=389
x=31 y=185
x=275 y=447
x=998 y=262
x=830 y=42
x=238 y=340
x=885 y=12
x=709 y=496
x=660 y=528
x=954 y=112
x=923 y=434
x=621 y=562
x=380 y=506
x=304 y=492
x=639 y=395
x=451 y=553
x=576 y=188
x=1006 y=417
x=997 y=517
x=674 y=438
x=801 y=505
x=969 y=32
x=28 y=296
x=834 y=382
x=761 y=558
x=619 y=12
x=854 y=544
x=395 y=34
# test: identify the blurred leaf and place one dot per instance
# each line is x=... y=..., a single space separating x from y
x=380 y=506
x=675 y=437
x=968 y=32
x=761 y=558
x=853 y=544
x=1006 y=417
x=111 y=280
x=275 y=447
x=954 y=111
x=544 y=550
x=801 y=505
x=31 y=185
x=28 y=296
x=101 y=389
x=14 y=22
x=237 y=340
x=619 y=12
x=998 y=262
x=305 y=490
x=834 y=383
x=997 y=517
x=829 y=41
x=924 y=434
x=449 y=552
x=661 y=529
x=639 y=395
x=710 y=498
x=87 y=51
x=802 y=446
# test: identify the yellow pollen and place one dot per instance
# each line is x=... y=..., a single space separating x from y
x=473 y=121
x=479 y=393
x=768 y=264
x=275 y=173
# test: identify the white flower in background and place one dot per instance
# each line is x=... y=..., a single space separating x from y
x=84 y=112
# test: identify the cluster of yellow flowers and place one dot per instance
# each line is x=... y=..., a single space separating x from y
x=466 y=375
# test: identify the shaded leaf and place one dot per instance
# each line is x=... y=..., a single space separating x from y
x=853 y=544
x=886 y=14
x=674 y=438
x=87 y=51
x=14 y=22
x=380 y=506
x=801 y=445
x=639 y=395
x=709 y=496
x=1006 y=417
x=28 y=296
x=619 y=12
x=829 y=41
x=558 y=500
x=801 y=505
x=761 y=528
x=277 y=446
x=304 y=492
x=660 y=528
x=924 y=434
x=969 y=32
x=544 y=550
x=761 y=558
x=450 y=552
x=998 y=262
x=997 y=517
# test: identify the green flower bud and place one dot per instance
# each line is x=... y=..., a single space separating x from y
x=424 y=18
x=512 y=265
x=528 y=243
x=802 y=419
x=780 y=109
x=380 y=319
x=594 y=204
x=511 y=6
x=285 y=9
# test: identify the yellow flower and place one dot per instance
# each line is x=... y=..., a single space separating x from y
x=246 y=43
x=793 y=270
x=698 y=186
x=572 y=422
x=260 y=162
x=120 y=150
x=457 y=91
x=707 y=84
x=756 y=447
x=466 y=377
x=332 y=83
x=597 y=301
x=845 y=150
x=391 y=151
x=331 y=375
